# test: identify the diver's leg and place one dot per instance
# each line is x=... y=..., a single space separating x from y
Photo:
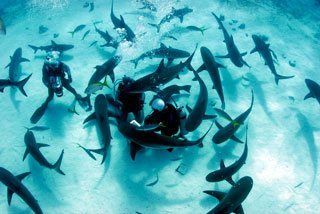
x=183 y=118
x=67 y=86
x=41 y=110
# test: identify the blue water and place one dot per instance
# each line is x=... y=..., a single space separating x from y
x=283 y=133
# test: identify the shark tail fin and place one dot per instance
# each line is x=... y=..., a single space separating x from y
x=103 y=151
x=156 y=26
x=88 y=151
x=34 y=48
x=57 y=165
x=22 y=83
x=278 y=77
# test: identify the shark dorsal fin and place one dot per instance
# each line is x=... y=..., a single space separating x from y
x=162 y=45
x=161 y=66
x=222 y=166
x=53 y=43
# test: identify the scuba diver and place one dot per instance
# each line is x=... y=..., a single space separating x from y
x=169 y=118
x=130 y=102
x=54 y=74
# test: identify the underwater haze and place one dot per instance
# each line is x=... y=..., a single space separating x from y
x=283 y=137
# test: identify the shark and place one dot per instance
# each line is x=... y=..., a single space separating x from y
x=162 y=52
x=231 y=201
x=162 y=75
x=213 y=69
x=20 y=84
x=33 y=148
x=15 y=61
x=233 y=52
x=53 y=47
x=110 y=41
x=227 y=132
x=15 y=185
x=174 y=13
x=120 y=23
x=226 y=173
x=268 y=55
x=314 y=89
x=153 y=140
x=106 y=69
x=101 y=116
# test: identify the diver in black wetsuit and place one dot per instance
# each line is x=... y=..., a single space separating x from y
x=54 y=74
x=130 y=102
x=169 y=117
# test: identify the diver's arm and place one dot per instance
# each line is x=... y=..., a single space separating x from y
x=45 y=75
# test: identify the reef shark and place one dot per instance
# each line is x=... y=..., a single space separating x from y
x=53 y=47
x=226 y=173
x=162 y=75
x=233 y=52
x=34 y=149
x=101 y=116
x=314 y=89
x=197 y=114
x=20 y=84
x=15 y=61
x=174 y=13
x=267 y=54
x=213 y=69
x=120 y=23
x=15 y=185
x=153 y=140
x=231 y=202
x=106 y=69
x=227 y=132
x=110 y=41
x=162 y=52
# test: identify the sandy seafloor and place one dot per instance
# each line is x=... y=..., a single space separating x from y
x=278 y=160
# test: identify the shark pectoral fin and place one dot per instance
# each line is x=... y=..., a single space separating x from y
x=309 y=95
x=208 y=117
x=189 y=109
x=236 y=139
x=253 y=50
x=8 y=64
x=230 y=181
x=201 y=68
x=239 y=210
x=223 y=114
x=90 y=117
x=225 y=56
x=24 y=60
x=220 y=65
x=178 y=77
x=87 y=151
x=218 y=125
x=134 y=148
x=42 y=145
x=9 y=195
x=222 y=165
x=23 y=175
x=25 y=154
x=181 y=19
x=57 y=165
x=217 y=194
x=243 y=54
